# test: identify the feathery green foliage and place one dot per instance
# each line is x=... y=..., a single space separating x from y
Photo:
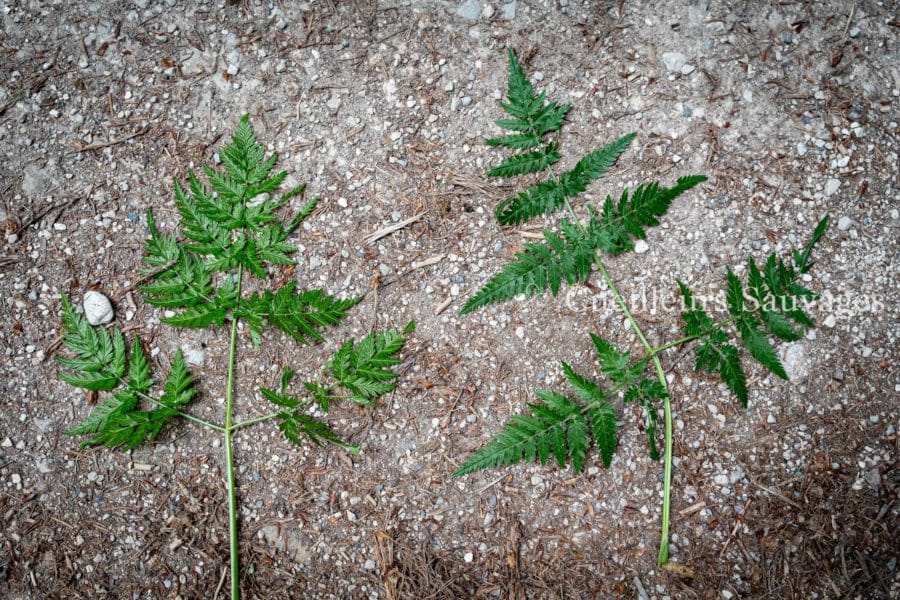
x=364 y=367
x=232 y=228
x=772 y=299
x=558 y=425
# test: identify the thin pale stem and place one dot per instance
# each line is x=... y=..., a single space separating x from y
x=229 y=453
x=663 y=556
x=179 y=413
x=254 y=421
x=272 y=415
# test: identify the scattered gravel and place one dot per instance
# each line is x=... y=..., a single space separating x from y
x=382 y=113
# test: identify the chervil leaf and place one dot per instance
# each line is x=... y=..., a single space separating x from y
x=529 y=162
x=161 y=249
x=295 y=423
x=759 y=345
x=179 y=389
x=615 y=364
x=801 y=259
x=520 y=141
x=556 y=424
x=300 y=315
x=586 y=389
x=539 y=267
x=99 y=361
x=549 y=196
x=131 y=429
x=603 y=424
x=110 y=407
x=139 y=378
x=364 y=367
x=623 y=221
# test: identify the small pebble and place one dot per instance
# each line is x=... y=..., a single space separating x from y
x=844 y=223
x=508 y=11
x=640 y=247
x=831 y=186
x=194 y=356
x=97 y=308
x=674 y=61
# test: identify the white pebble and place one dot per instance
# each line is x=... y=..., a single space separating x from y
x=844 y=223
x=97 y=308
x=831 y=186
x=194 y=356
x=468 y=557
x=640 y=247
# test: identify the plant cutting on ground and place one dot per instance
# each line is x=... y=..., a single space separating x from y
x=770 y=303
x=232 y=234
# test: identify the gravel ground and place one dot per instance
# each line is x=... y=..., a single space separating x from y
x=791 y=108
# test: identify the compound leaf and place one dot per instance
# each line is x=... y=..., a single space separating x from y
x=364 y=367
x=100 y=359
x=539 y=267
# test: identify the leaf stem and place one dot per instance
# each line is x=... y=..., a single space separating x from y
x=653 y=354
x=229 y=450
x=254 y=421
x=179 y=413
x=272 y=415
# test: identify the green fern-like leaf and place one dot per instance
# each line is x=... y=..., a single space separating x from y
x=117 y=420
x=539 y=267
x=533 y=116
x=557 y=425
x=111 y=407
x=162 y=250
x=179 y=389
x=99 y=361
x=771 y=299
x=300 y=315
x=364 y=367
x=549 y=196
x=624 y=221
x=293 y=424
x=530 y=162
x=615 y=364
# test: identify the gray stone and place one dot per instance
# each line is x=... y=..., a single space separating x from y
x=469 y=10
x=35 y=182
x=674 y=61
x=844 y=223
x=795 y=361
x=508 y=11
x=831 y=186
x=97 y=308
x=194 y=356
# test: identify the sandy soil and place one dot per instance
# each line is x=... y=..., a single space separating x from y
x=790 y=108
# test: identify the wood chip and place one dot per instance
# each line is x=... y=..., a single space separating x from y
x=432 y=260
x=377 y=235
x=442 y=306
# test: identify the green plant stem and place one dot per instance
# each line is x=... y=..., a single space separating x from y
x=272 y=415
x=653 y=353
x=181 y=414
x=229 y=451
x=254 y=421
